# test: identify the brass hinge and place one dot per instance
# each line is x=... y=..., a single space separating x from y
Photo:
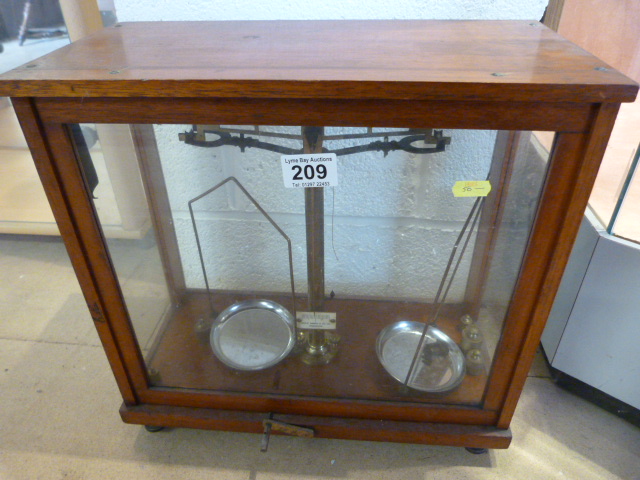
x=271 y=425
x=96 y=312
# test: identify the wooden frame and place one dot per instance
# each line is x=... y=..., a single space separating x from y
x=580 y=103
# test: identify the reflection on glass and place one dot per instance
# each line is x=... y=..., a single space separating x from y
x=624 y=221
x=108 y=158
x=615 y=164
x=383 y=254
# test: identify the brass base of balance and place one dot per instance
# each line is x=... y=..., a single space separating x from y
x=318 y=347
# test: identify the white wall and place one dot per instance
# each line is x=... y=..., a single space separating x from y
x=393 y=232
x=139 y=10
x=394 y=218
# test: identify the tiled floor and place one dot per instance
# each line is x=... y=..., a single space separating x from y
x=59 y=411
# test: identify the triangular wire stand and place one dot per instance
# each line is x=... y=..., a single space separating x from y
x=265 y=214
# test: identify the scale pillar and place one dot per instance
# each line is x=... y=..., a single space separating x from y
x=319 y=346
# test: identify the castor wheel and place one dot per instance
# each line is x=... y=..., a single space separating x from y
x=476 y=450
x=153 y=428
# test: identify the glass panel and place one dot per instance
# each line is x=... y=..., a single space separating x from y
x=510 y=231
x=615 y=164
x=108 y=158
x=624 y=221
x=387 y=280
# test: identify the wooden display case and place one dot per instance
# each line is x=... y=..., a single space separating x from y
x=446 y=101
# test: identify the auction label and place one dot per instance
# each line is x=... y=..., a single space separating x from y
x=316 y=320
x=310 y=170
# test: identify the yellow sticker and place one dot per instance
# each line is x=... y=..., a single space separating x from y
x=478 y=188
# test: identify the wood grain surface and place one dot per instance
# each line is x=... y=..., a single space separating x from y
x=185 y=360
x=323 y=427
x=453 y=60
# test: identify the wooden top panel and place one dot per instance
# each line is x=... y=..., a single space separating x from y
x=455 y=60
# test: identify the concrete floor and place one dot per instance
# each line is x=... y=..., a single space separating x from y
x=59 y=411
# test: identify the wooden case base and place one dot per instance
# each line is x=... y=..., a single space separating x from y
x=324 y=427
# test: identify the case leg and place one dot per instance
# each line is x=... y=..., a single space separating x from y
x=476 y=450
x=153 y=428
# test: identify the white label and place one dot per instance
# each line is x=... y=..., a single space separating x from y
x=310 y=170
x=316 y=320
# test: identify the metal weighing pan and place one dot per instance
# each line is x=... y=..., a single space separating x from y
x=253 y=335
x=440 y=366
